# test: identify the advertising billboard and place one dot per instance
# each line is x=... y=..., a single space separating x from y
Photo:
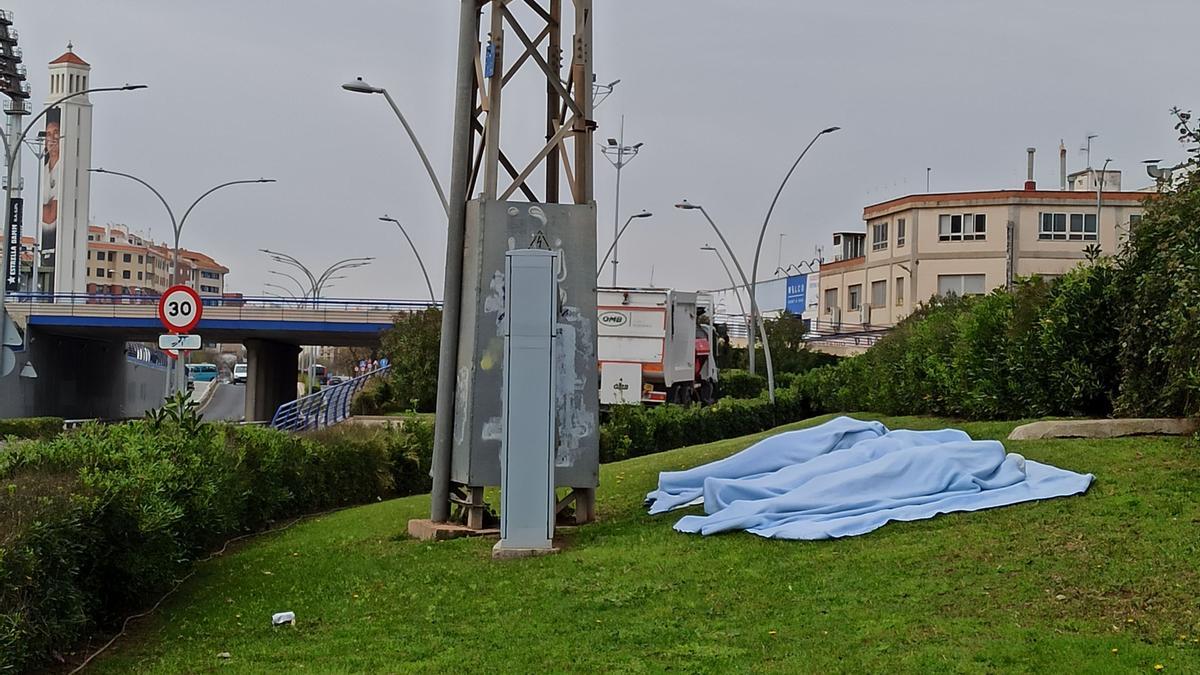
x=797 y=294
x=52 y=184
x=12 y=248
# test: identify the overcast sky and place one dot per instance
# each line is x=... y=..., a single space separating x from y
x=724 y=94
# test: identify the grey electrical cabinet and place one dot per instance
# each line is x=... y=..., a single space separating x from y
x=528 y=441
x=493 y=229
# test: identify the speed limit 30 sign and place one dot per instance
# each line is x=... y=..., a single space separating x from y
x=179 y=309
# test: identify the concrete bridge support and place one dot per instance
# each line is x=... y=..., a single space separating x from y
x=271 y=377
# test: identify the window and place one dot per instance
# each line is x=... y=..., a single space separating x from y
x=139 y=276
x=1067 y=227
x=879 y=236
x=210 y=275
x=112 y=240
x=89 y=256
x=965 y=227
x=901 y=231
x=100 y=271
x=128 y=257
x=140 y=260
x=831 y=300
x=899 y=291
x=879 y=293
x=1135 y=220
x=110 y=274
x=855 y=293
x=960 y=284
x=126 y=275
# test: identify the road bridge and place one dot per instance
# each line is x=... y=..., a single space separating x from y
x=272 y=329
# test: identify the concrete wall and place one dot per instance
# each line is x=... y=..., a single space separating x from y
x=80 y=379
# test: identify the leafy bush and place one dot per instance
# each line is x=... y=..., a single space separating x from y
x=411 y=344
x=633 y=431
x=741 y=384
x=95 y=522
x=31 y=427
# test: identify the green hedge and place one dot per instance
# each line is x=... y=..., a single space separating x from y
x=1040 y=349
x=31 y=427
x=735 y=383
x=633 y=431
x=95 y=523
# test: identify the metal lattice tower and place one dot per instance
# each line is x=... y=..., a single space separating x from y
x=518 y=60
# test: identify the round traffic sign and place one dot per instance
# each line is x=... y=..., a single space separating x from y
x=179 y=309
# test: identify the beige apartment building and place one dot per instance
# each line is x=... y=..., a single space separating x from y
x=120 y=262
x=919 y=246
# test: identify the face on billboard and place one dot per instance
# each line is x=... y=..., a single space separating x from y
x=51 y=183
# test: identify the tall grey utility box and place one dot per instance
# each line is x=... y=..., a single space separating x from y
x=527 y=498
x=493 y=229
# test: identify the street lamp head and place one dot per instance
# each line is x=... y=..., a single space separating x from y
x=265 y=180
x=100 y=170
x=643 y=214
x=133 y=87
x=686 y=205
x=638 y=145
x=830 y=130
x=613 y=83
x=706 y=247
x=360 y=87
x=388 y=219
x=612 y=142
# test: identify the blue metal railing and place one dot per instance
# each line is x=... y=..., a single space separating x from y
x=151 y=299
x=323 y=408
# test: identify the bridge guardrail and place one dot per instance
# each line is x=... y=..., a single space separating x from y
x=246 y=307
x=323 y=408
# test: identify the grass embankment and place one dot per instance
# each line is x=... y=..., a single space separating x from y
x=1103 y=582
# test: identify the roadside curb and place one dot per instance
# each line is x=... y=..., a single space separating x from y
x=207 y=395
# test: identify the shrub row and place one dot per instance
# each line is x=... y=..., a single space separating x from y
x=1040 y=349
x=633 y=431
x=31 y=427
x=95 y=522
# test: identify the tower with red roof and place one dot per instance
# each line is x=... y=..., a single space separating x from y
x=63 y=205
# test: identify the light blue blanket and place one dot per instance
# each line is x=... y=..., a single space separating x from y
x=848 y=477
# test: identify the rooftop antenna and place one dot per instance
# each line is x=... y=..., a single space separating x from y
x=1087 y=148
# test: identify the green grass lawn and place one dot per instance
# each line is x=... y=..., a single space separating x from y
x=1105 y=582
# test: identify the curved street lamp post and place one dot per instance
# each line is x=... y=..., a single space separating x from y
x=12 y=153
x=687 y=206
x=762 y=233
x=387 y=219
x=360 y=87
x=177 y=230
x=600 y=270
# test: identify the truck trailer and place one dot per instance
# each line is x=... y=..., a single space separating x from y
x=652 y=348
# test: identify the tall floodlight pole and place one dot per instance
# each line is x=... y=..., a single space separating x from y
x=762 y=233
x=688 y=206
x=388 y=219
x=624 y=154
x=600 y=269
x=733 y=285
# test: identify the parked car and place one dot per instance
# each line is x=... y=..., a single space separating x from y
x=241 y=373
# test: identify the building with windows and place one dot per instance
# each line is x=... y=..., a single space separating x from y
x=121 y=262
x=919 y=246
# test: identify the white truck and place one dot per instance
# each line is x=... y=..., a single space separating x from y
x=651 y=348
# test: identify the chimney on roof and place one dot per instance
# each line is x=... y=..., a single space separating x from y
x=1029 y=182
x=1062 y=166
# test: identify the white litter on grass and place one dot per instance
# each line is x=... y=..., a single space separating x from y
x=283 y=617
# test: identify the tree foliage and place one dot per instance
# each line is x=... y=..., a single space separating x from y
x=411 y=345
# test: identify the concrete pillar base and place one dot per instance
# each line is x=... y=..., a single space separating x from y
x=271 y=377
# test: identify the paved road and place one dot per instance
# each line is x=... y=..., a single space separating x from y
x=228 y=403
